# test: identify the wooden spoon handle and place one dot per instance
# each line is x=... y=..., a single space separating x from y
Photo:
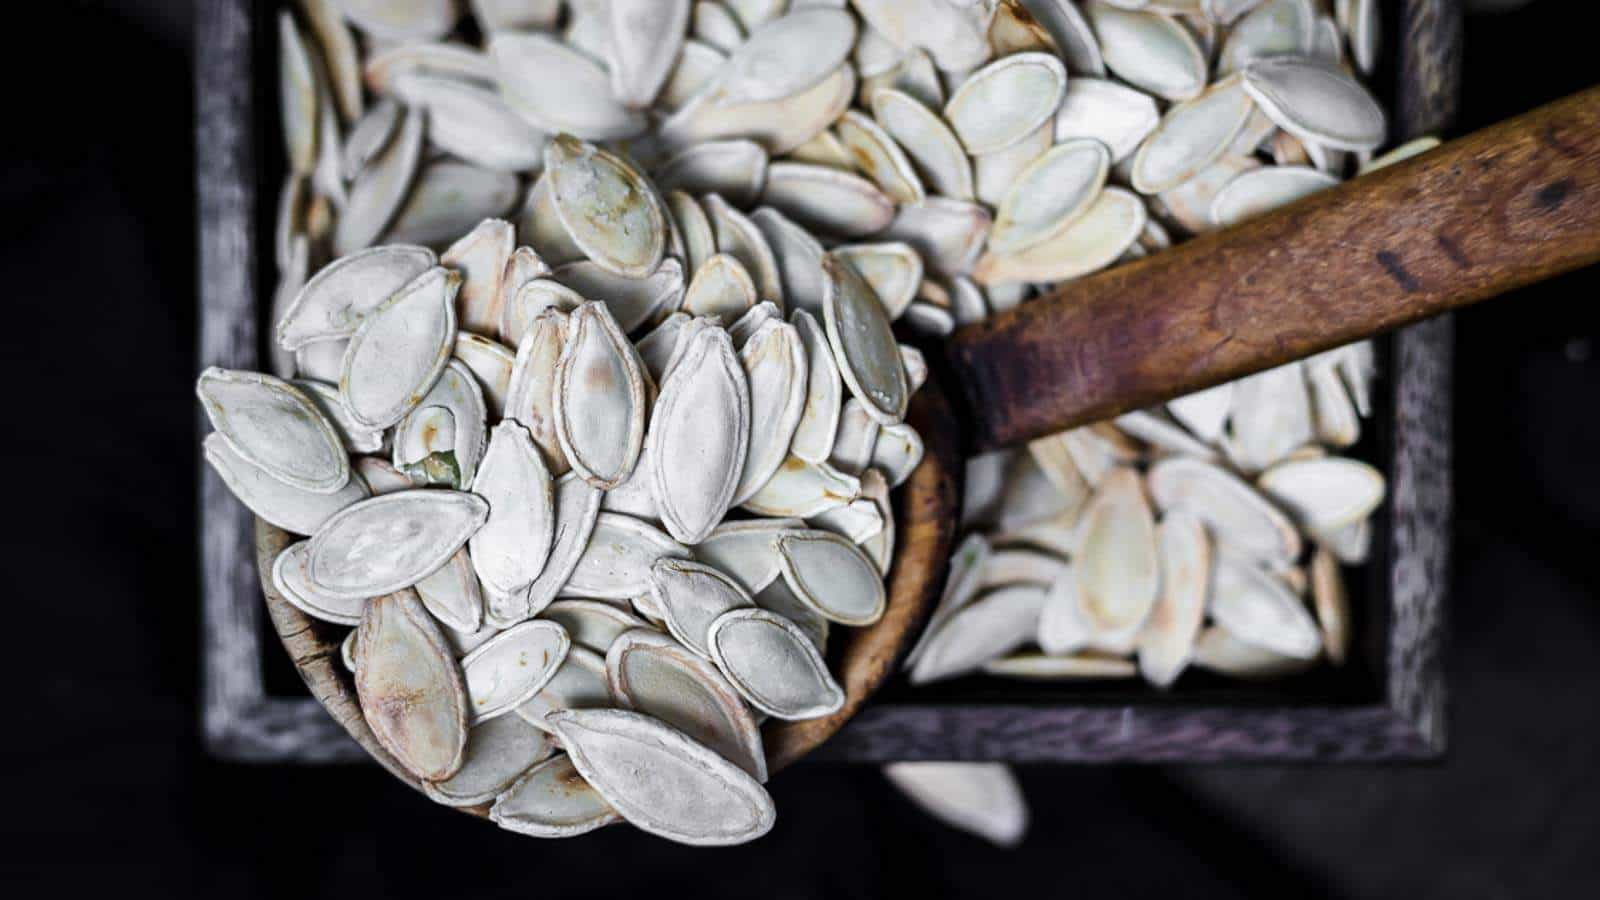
x=1511 y=204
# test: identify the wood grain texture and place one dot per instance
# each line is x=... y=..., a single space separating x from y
x=861 y=658
x=1514 y=203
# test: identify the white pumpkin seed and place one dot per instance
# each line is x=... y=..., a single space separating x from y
x=715 y=24
x=1258 y=609
x=1252 y=193
x=785 y=57
x=1332 y=605
x=491 y=364
x=935 y=150
x=599 y=398
x=1149 y=51
x=447 y=199
x=827 y=199
x=593 y=624
x=1042 y=667
x=445 y=58
x=1315 y=103
x=1271 y=416
x=699 y=432
x=663 y=781
x=551 y=800
x=948 y=233
x=819 y=418
x=778 y=125
x=1324 y=495
x=577 y=508
x=559 y=89
x=607 y=207
x=580 y=683
x=1220 y=651
x=1273 y=28
x=1167 y=642
x=876 y=155
x=511 y=548
x=510 y=668
x=798 y=256
x=774 y=364
x=1191 y=136
x=1094 y=240
x=1204 y=412
x=773 y=665
x=1117 y=571
x=472 y=122
x=289 y=577
x=831 y=575
x=400 y=350
x=481 y=256
x=644 y=39
x=530 y=396
x=416 y=437
x=615 y=563
x=752 y=320
x=735 y=169
x=276 y=427
x=297 y=89
x=892 y=269
x=721 y=288
x=1050 y=194
x=984 y=629
x=1232 y=511
x=1005 y=101
x=386 y=543
x=746 y=551
x=1071 y=34
x=655 y=675
x=631 y=301
x=955 y=37
x=498 y=752
x=290 y=508
x=340 y=296
x=690 y=596
x=409 y=686
x=981 y=798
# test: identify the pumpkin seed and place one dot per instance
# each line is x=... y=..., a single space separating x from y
x=580 y=683
x=1050 y=194
x=447 y=199
x=510 y=668
x=746 y=551
x=1149 y=51
x=720 y=288
x=1232 y=511
x=410 y=689
x=607 y=207
x=1167 y=642
x=471 y=122
x=552 y=800
x=662 y=781
x=289 y=508
x=1005 y=101
x=615 y=563
x=1191 y=136
x=1220 y=651
x=981 y=798
x=386 y=543
x=774 y=364
x=498 y=752
x=954 y=36
x=831 y=575
x=655 y=675
x=400 y=350
x=289 y=577
x=986 y=628
x=599 y=398
x=558 y=88
x=577 y=508
x=1324 y=495
x=773 y=665
x=631 y=301
x=592 y=624
x=699 y=432
x=1092 y=241
x=275 y=427
x=1252 y=193
x=935 y=150
x=948 y=233
x=644 y=39
x=784 y=57
x=735 y=169
x=892 y=269
x=1260 y=610
x=1315 y=103
x=482 y=257
x=863 y=346
x=876 y=155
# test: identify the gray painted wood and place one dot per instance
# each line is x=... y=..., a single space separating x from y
x=242 y=722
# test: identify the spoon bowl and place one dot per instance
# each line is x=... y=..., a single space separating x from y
x=861 y=658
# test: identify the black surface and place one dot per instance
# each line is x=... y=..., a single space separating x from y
x=107 y=790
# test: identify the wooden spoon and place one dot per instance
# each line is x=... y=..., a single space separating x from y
x=1509 y=205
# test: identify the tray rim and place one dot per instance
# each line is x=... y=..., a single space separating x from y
x=241 y=722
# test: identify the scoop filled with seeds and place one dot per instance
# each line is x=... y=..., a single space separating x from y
x=589 y=401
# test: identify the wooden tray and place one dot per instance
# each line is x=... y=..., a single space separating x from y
x=1386 y=703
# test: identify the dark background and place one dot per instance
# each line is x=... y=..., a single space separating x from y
x=106 y=788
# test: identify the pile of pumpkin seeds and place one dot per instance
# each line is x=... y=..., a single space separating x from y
x=645 y=183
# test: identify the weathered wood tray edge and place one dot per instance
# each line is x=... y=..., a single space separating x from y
x=241 y=721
